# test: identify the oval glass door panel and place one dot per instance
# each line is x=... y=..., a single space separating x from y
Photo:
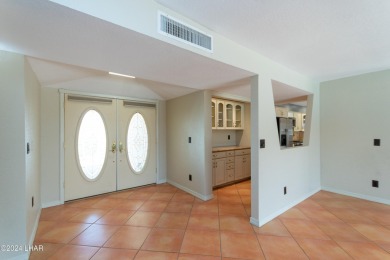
x=137 y=142
x=92 y=144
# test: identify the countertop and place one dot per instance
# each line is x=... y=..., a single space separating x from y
x=229 y=148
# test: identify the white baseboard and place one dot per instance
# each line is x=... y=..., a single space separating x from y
x=254 y=221
x=357 y=195
x=34 y=231
x=51 y=204
x=284 y=209
x=161 y=181
x=196 y=194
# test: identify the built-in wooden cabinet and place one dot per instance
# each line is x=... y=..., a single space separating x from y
x=238 y=115
x=213 y=113
x=217 y=114
x=219 y=169
x=281 y=112
x=300 y=119
x=220 y=114
x=229 y=174
x=227 y=114
x=230 y=166
x=229 y=119
x=242 y=164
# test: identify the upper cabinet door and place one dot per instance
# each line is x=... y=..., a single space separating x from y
x=213 y=113
x=220 y=114
x=239 y=116
x=226 y=114
x=298 y=121
x=281 y=111
x=229 y=119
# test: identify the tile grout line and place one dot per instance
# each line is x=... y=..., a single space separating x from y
x=314 y=223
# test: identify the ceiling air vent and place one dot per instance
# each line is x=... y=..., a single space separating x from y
x=185 y=33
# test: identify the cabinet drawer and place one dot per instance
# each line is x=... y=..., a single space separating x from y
x=230 y=160
x=229 y=175
x=229 y=166
x=219 y=155
x=230 y=153
x=242 y=152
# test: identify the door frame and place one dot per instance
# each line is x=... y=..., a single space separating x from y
x=62 y=93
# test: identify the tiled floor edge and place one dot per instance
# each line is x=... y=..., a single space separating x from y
x=356 y=195
x=270 y=217
x=194 y=193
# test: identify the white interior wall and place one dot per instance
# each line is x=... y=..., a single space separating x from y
x=296 y=168
x=255 y=202
x=50 y=147
x=300 y=170
x=33 y=165
x=353 y=113
x=12 y=155
x=186 y=117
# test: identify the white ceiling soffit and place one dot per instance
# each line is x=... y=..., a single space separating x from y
x=282 y=92
x=51 y=73
x=321 y=39
x=50 y=31
x=237 y=90
x=63 y=76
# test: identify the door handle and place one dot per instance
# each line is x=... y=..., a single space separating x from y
x=113 y=147
x=121 y=147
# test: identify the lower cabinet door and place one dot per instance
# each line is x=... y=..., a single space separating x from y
x=247 y=165
x=239 y=167
x=230 y=175
x=219 y=168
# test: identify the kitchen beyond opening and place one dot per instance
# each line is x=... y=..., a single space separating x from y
x=231 y=153
x=293 y=113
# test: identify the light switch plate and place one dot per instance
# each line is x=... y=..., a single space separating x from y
x=262 y=143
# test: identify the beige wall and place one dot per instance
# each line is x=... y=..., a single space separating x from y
x=50 y=143
x=33 y=165
x=354 y=112
x=188 y=116
x=220 y=138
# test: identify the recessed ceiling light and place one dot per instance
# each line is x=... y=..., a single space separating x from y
x=122 y=75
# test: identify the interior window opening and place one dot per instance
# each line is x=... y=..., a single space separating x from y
x=292 y=108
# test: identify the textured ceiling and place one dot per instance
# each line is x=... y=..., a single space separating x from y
x=323 y=39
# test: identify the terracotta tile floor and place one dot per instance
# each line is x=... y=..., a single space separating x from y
x=163 y=222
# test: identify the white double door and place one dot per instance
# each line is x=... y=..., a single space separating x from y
x=110 y=144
